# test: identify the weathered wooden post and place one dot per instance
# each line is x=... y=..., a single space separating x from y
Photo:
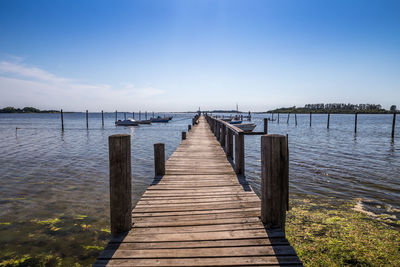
x=62 y=121
x=102 y=118
x=87 y=119
x=274 y=180
x=223 y=135
x=133 y=115
x=159 y=159
x=120 y=183
x=145 y=115
x=272 y=117
x=288 y=116
x=295 y=119
x=153 y=114
x=265 y=125
x=239 y=154
x=355 y=123
x=393 y=124
x=124 y=115
x=329 y=117
x=278 y=117
x=183 y=135
x=189 y=127
x=310 y=119
x=229 y=144
x=249 y=116
x=140 y=115
x=115 y=116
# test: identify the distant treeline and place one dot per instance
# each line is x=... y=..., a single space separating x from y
x=336 y=108
x=25 y=110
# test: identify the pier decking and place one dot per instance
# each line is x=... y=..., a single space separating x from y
x=200 y=213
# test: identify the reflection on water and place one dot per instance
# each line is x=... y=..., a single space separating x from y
x=49 y=174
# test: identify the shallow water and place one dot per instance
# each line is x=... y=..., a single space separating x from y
x=47 y=174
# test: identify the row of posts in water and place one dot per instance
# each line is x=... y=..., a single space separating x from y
x=327 y=123
x=102 y=117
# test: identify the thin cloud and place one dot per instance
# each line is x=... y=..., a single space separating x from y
x=22 y=85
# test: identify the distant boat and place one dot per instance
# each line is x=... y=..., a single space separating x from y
x=236 y=122
x=160 y=119
x=128 y=122
x=247 y=126
x=144 y=122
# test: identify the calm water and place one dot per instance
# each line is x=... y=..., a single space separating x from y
x=46 y=174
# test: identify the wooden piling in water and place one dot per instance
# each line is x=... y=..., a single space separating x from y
x=310 y=118
x=278 y=117
x=295 y=119
x=329 y=117
x=355 y=122
x=62 y=121
x=102 y=118
x=265 y=125
x=239 y=154
x=87 y=119
x=140 y=115
x=274 y=180
x=124 y=115
x=159 y=159
x=288 y=116
x=120 y=183
x=183 y=135
x=145 y=114
x=116 y=116
x=393 y=124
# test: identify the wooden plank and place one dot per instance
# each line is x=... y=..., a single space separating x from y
x=223 y=261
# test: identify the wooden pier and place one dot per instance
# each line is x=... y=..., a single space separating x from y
x=199 y=212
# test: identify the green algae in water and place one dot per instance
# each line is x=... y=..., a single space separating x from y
x=59 y=241
x=328 y=234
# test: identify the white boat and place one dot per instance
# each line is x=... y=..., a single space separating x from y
x=128 y=122
x=247 y=126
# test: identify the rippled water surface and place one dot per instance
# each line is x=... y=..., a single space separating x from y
x=46 y=173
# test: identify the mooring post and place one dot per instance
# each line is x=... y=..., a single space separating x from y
x=329 y=117
x=274 y=180
x=183 y=135
x=278 y=117
x=133 y=115
x=272 y=117
x=120 y=183
x=159 y=159
x=239 y=154
x=189 y=127
x=145 y=114
x=153 y=114
x=124 y=115
x=115 y=116
x=355 y=123
x=295 y=119
x=265 y=125
x=229 y=144
x=249 y=117
x=62 y=121
x=288 y=116
x=102 y=118
x=140 y=115
x=310 y=119
x=87 y=119
x=393 y=124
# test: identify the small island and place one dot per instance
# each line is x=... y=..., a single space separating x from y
x=26 y=110
x=338 y=108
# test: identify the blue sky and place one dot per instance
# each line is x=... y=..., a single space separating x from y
x=179 y=55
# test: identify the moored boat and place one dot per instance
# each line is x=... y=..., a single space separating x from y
x=247 y=126
x=127 y=122
x=144 y=122
x=160 y=119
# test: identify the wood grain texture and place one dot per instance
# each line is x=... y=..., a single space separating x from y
x=199 y=213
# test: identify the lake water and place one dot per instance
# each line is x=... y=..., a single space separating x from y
x=54 y=184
